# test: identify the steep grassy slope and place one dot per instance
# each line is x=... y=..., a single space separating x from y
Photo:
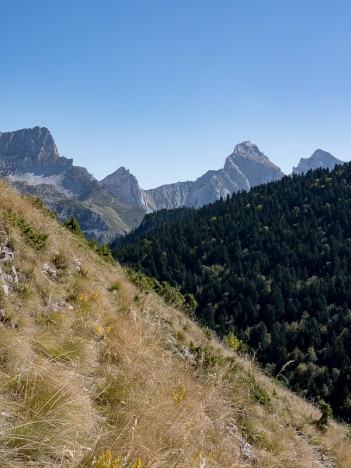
x=96 y=373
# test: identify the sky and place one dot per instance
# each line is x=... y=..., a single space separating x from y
x=168 y=88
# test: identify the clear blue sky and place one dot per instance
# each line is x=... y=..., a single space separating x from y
x=167 y=88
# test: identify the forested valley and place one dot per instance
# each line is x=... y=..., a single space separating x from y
x=273 y=268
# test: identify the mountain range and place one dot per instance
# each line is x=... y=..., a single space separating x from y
x=109 y=208
x=30 y=161
x=246 y=167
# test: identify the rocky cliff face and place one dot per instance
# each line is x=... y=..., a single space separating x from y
x=243 y=169
x=126 y=188
x=30 y=148
x=251 y=162
x=318 y=159
x=170 y=195
x=29 y=159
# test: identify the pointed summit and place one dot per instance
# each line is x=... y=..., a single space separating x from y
x=256 y=166
x=247 y=149
x=246 y=167
x=125 y=187
x=318 y=159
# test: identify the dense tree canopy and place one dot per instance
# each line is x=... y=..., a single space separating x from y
x=272 y=266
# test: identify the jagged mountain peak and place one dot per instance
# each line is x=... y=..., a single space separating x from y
x=34 y=142
x=254 y=164
x=246 y=148
x=249 y=150
x=125 y=187
x=322 y=155
x=319 y=158
x=118 y=180
x=245 y=167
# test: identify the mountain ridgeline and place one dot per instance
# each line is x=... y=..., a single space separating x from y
x=112 y=207
x=271 y=265
x=30 y=161
x=246 y=167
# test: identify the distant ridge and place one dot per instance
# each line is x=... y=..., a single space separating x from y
x=31 y=162
x=318 y=159
x=246 y=167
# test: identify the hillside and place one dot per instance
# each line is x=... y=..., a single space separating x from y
x=98 y=373
x=271 y=266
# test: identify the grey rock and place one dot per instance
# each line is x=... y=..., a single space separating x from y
x=125 y=187
x=258 y=169
x=30 y=148
x=6 y=254
x=243 y=169
x=318 y=159
x=30 y=161
x=50 y=271
x=171 y=195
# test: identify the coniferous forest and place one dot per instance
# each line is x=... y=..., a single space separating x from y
x=273 y=267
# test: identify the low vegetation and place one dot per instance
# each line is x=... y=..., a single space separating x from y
x=97 y=372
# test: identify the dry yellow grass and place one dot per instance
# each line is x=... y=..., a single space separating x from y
x=93 y=372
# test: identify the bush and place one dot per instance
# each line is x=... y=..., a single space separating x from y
x=73 y=226
x=36 y=238
x=102 y=250
x=172 y=296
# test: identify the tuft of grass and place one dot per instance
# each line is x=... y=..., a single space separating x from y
x=22 y=289
x=204 y=357
x=59 y=260
x=44 y=424
x=255 y=436
x=38 y=203
x=114 y=287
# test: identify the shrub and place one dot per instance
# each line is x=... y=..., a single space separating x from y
x=36 y=238
x=258 y=392
x=204 y=357
x=172 y=296
x=102 y=250
x=59 y=261
x=327 y=413
x=38 y=203
x=73 y=226
x=232 y=341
